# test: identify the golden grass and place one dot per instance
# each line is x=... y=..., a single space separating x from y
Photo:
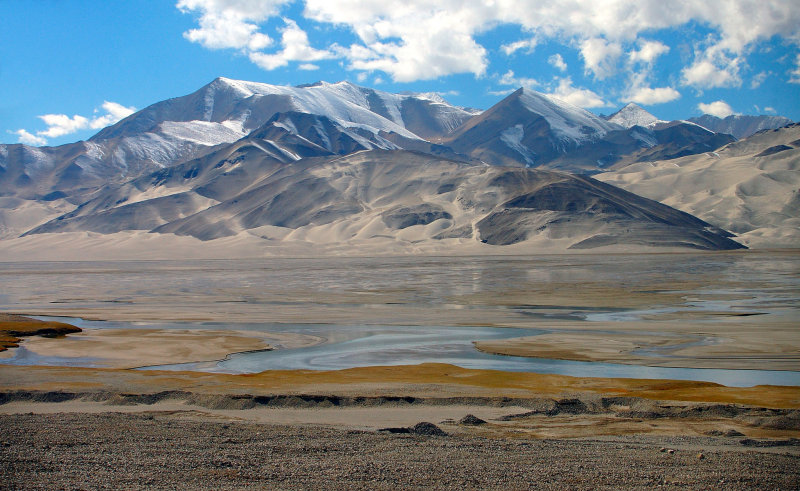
x=13 y=326
x=429 y=380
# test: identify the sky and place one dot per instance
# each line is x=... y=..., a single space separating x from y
x=70 y=67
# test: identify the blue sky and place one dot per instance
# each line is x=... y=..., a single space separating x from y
x=69 y=67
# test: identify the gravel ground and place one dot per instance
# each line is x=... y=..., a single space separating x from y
x=163 y=451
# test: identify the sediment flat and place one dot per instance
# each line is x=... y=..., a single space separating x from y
x=132 y=348
x=683 y=343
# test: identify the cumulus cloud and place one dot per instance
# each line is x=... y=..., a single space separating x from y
x=114 y=112
x=29 y=138
x=713 y=68
x=557 y=61
x=720 y=109
x=295 y=48
x=649 y=96
x=576 y=96
x=509 y=78
x=231 y=23
x=600 y=56
x=61 y=124
x=560 y=88
x=648 y=52
x=418 y=39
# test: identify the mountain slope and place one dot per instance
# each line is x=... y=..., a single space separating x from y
x=527 y=128
x=534 y=130
x=376 y=196
x=222 y=112
x=749 y=187
x=740 y=125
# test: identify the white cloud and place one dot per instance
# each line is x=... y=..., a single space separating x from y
x=307 y=66
x=418 y=39
x=649 y=96
x=61 y=124
x=795 y=74
x=424 y=45
x=509 y=78
x=720 y=109
x=29 y=138
x=648 y=52
x=770 y=110
x=758 y=79
x=560 y=88
x=114 y=113
x=600 y=56
x=231 y=23
x=576 y=96
x=295 y=48
x=529 y=45
x=501 y=92
x=557 y=61
x=713 y=68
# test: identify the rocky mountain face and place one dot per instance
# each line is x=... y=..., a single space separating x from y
x=740 y=125
x=338 y=162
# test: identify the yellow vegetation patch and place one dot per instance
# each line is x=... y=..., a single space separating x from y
x=430 y=380
x=13 y=326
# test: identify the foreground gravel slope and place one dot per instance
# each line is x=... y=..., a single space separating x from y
x=167 y=451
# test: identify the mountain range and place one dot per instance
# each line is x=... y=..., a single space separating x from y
x=342 y=164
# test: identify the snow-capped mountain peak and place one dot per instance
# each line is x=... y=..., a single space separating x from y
x=633 y=115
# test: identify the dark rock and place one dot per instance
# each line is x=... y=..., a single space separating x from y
x=471 y=420
x=427 y=429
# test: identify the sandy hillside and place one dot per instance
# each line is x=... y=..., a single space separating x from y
x=749 y=187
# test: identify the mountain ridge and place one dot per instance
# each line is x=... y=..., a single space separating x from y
x=335 y=163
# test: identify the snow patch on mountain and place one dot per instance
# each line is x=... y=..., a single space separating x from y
x=645 y=136
x=513 y=138
x=342 y=102
x=568 y=121
x=203 y=132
